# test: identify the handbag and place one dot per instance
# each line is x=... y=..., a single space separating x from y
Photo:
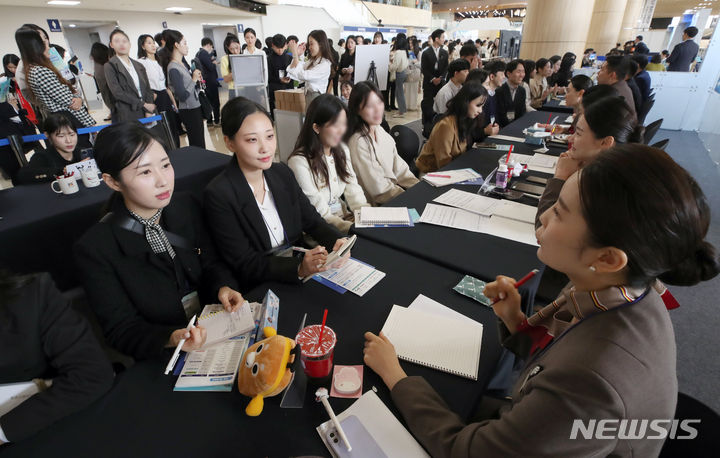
x=205 y=105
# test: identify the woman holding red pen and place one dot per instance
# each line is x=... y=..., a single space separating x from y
x=452 y=134
x=604 y=349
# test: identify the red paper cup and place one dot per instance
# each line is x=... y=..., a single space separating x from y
x=316 y=358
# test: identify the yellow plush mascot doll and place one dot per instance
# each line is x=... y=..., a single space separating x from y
x=264 y=371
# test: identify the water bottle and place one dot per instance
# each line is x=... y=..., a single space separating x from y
x=501 y=177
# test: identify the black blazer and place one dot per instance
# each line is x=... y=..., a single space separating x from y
x=641 y=48
x=427 y=65
x=133 y=291
x=683 y=54
x=239 y=229
x=42 y=337
x=505 y=104
x=45 y=165
x=127 y=105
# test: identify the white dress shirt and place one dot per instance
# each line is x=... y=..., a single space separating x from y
x=315 y=78
x=270 y=215
x=133 y=74
x=444 y=95
x=155 y=74
x=326 y=197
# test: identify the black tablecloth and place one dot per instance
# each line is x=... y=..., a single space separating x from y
x=554 y=106
x=39 y=227
x=142 y=416
x=481 y=255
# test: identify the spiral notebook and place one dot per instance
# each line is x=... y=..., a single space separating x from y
x=434 y=341
x=385 y=215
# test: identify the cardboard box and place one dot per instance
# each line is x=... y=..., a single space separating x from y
x=290 y=100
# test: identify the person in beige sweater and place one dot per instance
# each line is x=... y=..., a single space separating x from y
x=321 y=163
x=381 y=172
x=452 y=134
x=604 y=349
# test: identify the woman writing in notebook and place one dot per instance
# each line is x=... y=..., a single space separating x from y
x=381 y=172
x=149 y=265
x=603 y=124
x=452 y=134
x=256 y=210
x=321 y=163
x=604 y=349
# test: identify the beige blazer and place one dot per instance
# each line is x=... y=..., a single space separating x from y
x=443 y=146
x=380 y=170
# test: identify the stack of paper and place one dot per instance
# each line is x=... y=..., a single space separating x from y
x=498 y=226
x=543 y=163
x=448 y=177
x=487 y=206
x=14 y=394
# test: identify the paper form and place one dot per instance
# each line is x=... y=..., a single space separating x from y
x=354 y=276
x=469 y=201
x=213 y=369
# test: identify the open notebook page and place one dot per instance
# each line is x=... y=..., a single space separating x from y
x=445 y=344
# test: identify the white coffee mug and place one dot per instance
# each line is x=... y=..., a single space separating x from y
x=67 y=185
x=90 y=177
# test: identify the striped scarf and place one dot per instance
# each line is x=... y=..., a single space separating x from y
x=155 y=234
x=557 y=316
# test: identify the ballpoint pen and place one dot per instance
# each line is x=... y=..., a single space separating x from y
x=176 y=353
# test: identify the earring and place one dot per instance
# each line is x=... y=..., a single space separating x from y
x=592 y=268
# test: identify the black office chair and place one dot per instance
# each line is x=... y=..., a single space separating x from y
x=651 y=130
x=662 y=144
x=645 y=109
x=707 y=442
x=408 y=144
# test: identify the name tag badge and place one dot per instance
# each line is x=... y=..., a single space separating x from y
x=191 y=303
x=336 y=208
x=284 y=252
x=511 y=115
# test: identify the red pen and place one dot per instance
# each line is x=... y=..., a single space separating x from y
x=435 y=175
x=519 y=283
x=507 y=159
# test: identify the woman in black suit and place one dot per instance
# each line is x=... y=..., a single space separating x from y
x=62 y=150
x=128 y=82
x=43 y=338
x=255 y=208
x=149 y=265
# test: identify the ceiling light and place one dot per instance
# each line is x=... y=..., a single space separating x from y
x=72 y=26
x=178 y=8
x=63 y=2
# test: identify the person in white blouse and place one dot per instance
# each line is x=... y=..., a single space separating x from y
x=315 y=71
x=321 y=163
x=381 y=172
x=164 y=99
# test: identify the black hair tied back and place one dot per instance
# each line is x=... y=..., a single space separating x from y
x=637 y=199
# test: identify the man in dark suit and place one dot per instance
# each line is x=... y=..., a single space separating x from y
x=511 y=95
x=433 y=65
x=277 y=61
x=614 y=73
x=683 y=54
x=209 y=73
x=640 y=46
